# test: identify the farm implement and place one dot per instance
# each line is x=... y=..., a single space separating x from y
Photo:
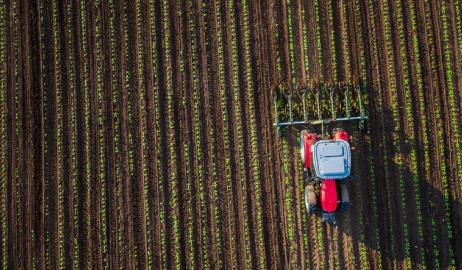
x=326 y=157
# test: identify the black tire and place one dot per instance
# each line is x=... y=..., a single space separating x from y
x=344 y=197
x=310 y=199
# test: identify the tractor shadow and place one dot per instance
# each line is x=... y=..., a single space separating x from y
x=396 y=216
x=397 y=213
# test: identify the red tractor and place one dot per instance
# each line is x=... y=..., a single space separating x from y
x=327 y=164
x=326 y=161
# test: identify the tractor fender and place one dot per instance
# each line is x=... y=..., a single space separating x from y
x=341 y=135
x=309 y=139
x=328 y=195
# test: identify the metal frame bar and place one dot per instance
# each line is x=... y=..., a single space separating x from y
x=318 y=122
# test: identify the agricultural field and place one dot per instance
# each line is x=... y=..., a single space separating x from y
x=139 y=134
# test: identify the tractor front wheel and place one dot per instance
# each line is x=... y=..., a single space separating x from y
x=310 y=198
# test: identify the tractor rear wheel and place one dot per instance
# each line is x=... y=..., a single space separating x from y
x=344 y=196
x=310 y=198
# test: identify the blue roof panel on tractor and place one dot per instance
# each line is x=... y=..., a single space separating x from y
x=332 y=159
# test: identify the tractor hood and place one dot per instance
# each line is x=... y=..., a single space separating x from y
x=332 y=159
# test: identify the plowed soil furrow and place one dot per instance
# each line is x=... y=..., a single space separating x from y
x=206 y=142
x=38 y=134
x=139 y=221
x=269 y=23
x=429 y=94
x=446 y=145
x=13 y=259
x=122 y=107
x=326 y=49
x=313 y=59
x=165 y=85
x=395 y=171
x=269 y=19
x=405 y=131
x=267 y=93
x=244 y=85
x=376 y=130
x=455 y=53
x=3 y=138
x=217 y=126
x=230 y=84
x=339 y=37
x=283 y=41
x=298 y=197
x=51 y=140
x=112 y=228
x=153 y=193
x=270 y=234
x=176 y=29
x=83 y=203
x=94 y=152
x=28 y=147
x=452 y=126
x=190 y=124
x=296 y=11
x=69 y=229
x=456 y=82
x=419 y=125
x=20 y=139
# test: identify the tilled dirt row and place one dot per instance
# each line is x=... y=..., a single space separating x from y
x=139 y=134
